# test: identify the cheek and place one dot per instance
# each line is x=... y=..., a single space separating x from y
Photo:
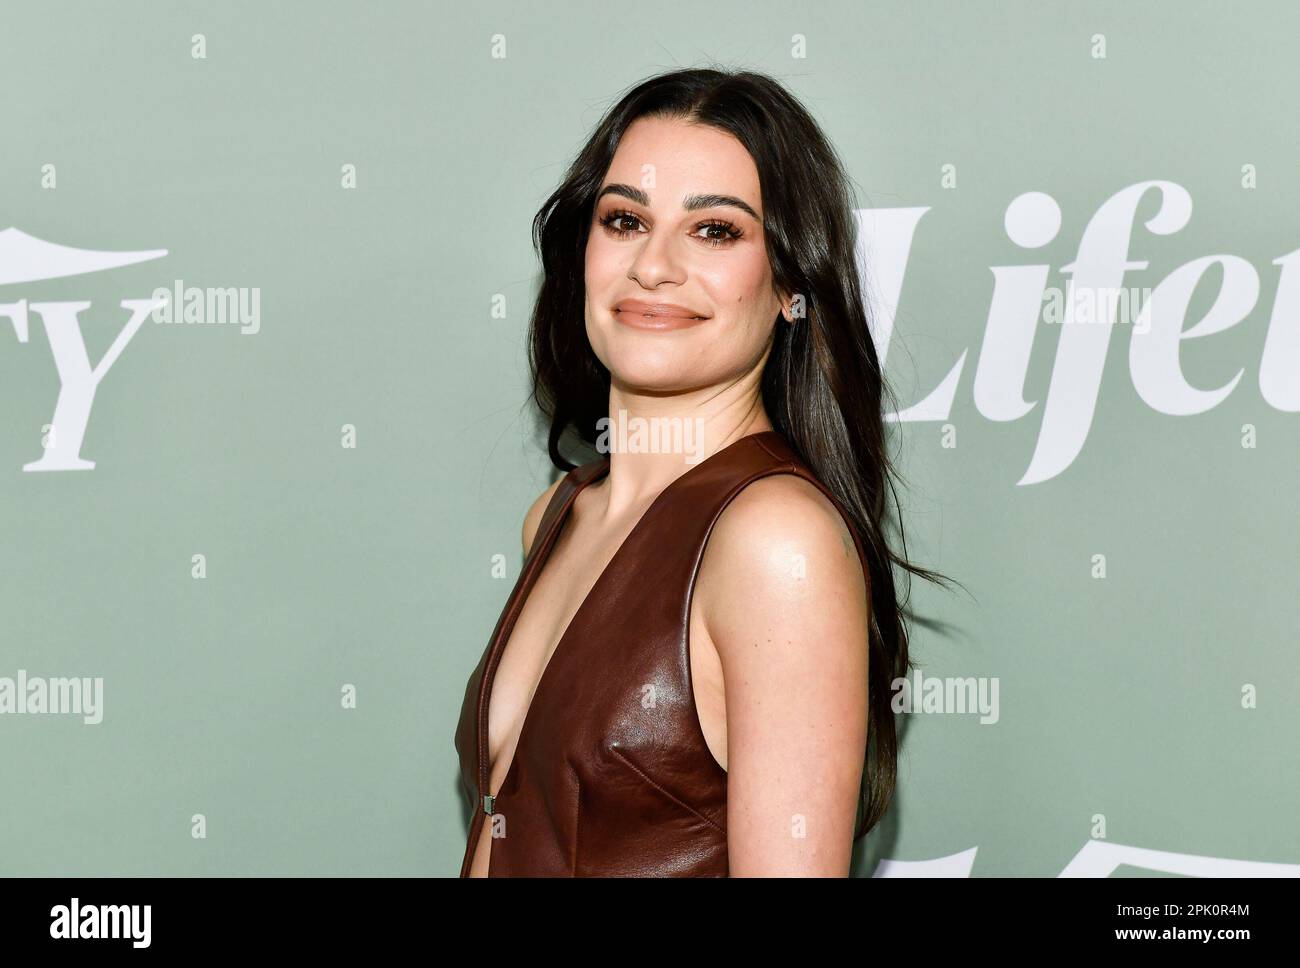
x=741 y=289
x=600 y=282
x=601 y=266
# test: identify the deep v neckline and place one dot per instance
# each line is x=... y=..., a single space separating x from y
x=502 y=640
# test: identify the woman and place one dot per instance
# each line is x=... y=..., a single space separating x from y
x=692 y=676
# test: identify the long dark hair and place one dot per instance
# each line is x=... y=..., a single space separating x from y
x=822 y=385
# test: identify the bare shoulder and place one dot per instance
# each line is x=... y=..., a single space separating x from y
x=533 y=519
x=780 y=538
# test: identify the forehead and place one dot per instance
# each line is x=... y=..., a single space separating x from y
x=683 y=159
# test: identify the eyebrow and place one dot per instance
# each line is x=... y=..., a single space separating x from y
x=691 y=202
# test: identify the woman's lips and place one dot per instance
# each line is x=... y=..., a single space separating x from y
x=656 y=316
x=650 y=321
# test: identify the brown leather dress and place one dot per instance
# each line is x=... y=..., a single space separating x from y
x=612 y=775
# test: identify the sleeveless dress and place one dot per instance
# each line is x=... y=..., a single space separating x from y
x=611 y=775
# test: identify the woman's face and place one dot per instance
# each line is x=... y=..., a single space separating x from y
x=677 y=233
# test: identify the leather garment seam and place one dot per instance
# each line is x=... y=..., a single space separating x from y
x=784 y=460
x=681 y=803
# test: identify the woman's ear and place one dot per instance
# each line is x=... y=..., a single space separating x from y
x=787 y=306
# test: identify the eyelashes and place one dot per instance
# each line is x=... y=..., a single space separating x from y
x=730 y=231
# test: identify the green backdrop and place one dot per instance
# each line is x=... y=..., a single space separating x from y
x=348 y=466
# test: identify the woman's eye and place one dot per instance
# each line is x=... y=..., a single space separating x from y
x=620 y=223
x=719 y=233
x=624 y=225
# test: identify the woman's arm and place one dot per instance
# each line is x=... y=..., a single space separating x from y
x=784 y=598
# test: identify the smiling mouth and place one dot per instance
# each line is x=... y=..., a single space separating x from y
x=655 y=310
x=660 y=322
x=645 y=315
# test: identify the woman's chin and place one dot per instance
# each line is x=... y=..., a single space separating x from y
x=650 y=384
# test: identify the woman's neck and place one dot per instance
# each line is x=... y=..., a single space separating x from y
x=653 y=440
